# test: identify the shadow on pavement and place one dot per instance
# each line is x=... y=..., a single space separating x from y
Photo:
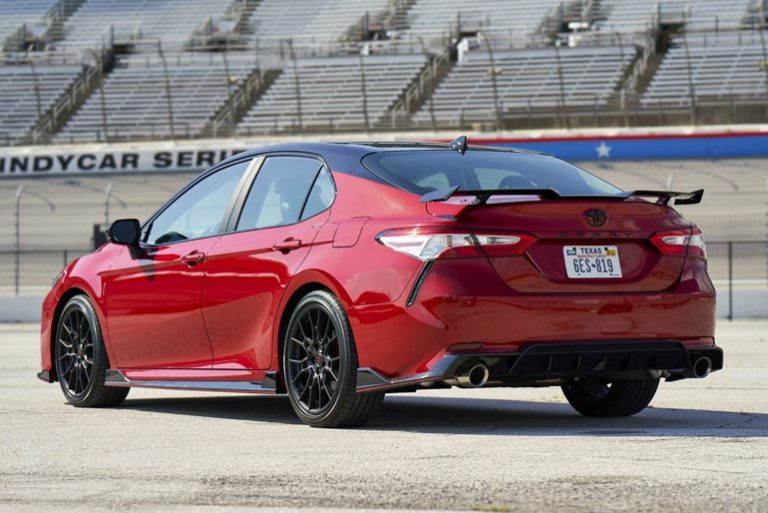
x=481 y=416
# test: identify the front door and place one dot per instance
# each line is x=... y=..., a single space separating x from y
x=154 y=292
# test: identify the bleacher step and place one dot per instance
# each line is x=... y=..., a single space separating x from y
x=240 y=102
x=70 y=101
x=59 y=15
x=441 y=70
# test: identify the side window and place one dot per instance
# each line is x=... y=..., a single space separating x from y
x=200 y=211
x=278 y=193
x=320 y=196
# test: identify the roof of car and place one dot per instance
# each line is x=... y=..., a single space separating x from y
x=345 y=157
x=365 y=147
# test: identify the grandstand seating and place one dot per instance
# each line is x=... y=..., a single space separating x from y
x=323 y=33
x=331 y=93
x=308 y=21
x=136 y=99
x=500 y=20
x=722 y=64
x=629 y=16
x=18 y=97
x=14 y=14
x=717 y=14
x=527 y=78
x=94 y=24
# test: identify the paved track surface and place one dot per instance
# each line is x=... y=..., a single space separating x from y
x=702 y=447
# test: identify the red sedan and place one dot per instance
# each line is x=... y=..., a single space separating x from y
x=337 y=272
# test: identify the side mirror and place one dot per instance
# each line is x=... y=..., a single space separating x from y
x=125 y=231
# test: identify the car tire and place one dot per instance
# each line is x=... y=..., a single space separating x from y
x=620 y=398
x=80 y=357
x=319 y=363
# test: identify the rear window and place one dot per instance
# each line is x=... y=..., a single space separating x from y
x=423 y=171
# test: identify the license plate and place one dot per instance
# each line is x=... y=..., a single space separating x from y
x=592 y=261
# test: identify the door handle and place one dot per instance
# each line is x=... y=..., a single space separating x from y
x=287 y=245
x=193 y=258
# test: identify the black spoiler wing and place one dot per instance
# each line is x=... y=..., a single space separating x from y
x=664 y=197
x=482 y=196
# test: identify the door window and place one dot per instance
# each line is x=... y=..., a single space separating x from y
x=279 y=192
x=200 y=210
x=320 y=196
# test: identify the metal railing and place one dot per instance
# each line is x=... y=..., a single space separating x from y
x=31 y=272
x=739 y=270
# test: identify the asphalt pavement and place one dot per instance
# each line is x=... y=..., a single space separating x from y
x=701 y=447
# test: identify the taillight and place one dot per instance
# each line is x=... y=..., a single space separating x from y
x=429 y=246
x=680 y=241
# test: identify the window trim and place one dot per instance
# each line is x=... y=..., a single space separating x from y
x=147 y=225
x=234 y=218
x=309 y=193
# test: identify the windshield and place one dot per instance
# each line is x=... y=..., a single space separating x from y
x=423 y=171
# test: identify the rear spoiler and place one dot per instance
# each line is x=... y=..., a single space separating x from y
x=681 y=198
x=481 y=197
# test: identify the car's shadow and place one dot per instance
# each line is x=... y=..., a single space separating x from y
x=481 y=416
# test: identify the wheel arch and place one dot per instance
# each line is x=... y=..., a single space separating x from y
x=68 y=294
x=284 y=317
x=301 y=285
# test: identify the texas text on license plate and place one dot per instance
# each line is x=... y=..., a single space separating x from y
x=592 y=261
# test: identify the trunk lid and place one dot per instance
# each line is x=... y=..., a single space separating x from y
x=614 y=225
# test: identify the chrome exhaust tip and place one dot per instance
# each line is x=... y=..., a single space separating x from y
x=475 y=376
x=702 y=367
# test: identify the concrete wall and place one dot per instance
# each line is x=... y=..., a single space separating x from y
x=743 y=141
x=20 y=308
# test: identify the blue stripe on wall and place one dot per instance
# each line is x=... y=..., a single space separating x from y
x=650 y=147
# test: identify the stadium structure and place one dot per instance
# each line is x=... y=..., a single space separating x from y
x=93 y=89
x=116 y=70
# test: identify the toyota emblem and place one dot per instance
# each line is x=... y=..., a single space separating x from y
x=595 y=217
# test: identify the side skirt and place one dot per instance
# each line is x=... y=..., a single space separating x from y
x=368 y=380
x=116 y=378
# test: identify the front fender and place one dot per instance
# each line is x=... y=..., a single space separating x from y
x=84 y=275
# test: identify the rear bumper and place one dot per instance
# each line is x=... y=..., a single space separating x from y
x=463 y=305
x=554 y=363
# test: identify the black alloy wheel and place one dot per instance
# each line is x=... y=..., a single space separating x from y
x=320 y=365
x=75 y=351
x=620 y=398
x=80 y=357
x=313 y=359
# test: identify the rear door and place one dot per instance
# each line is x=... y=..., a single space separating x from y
x=250 y=266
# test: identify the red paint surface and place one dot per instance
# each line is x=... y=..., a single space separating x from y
x=219 y=319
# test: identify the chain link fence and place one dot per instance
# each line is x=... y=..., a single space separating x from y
x=739 y=271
